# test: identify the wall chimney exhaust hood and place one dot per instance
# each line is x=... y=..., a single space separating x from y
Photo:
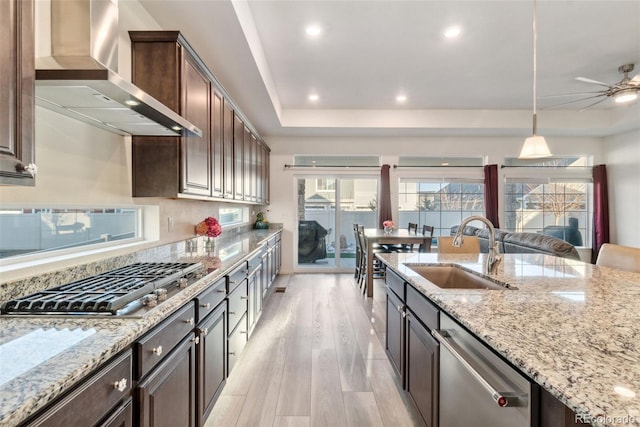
x=77 y=78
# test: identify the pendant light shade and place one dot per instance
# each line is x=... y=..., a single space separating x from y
x=535 y=147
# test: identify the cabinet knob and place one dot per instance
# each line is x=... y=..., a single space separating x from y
x=189 y=321
x=204 y=331
x=404 y=314
x=195 y=340
x=120 y=385
x=31 y=169
x=232 y=353
x=157 y=350
x=399 y=307
x=207 y=306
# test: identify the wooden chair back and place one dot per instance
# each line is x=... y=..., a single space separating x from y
x=621 y=257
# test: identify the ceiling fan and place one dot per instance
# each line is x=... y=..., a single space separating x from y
x=626 y=90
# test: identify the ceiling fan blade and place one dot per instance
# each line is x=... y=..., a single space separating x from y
x=636 y=80
x=574 y=101
x=601 y=92
x=586 y=80
x=591 y=105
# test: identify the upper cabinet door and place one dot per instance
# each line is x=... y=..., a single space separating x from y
x=238 y=158
x=196 y=151
x=217 y=144
x=17 y=78
x=227 y=137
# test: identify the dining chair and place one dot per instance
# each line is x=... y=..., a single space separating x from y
x=359 y=265
x=621 y=257
x=378 y=267
x=470 y=245
x=427 y=231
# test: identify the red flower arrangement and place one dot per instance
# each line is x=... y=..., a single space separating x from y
x=210 y=227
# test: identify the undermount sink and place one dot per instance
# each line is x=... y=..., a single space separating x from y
x=449 y=277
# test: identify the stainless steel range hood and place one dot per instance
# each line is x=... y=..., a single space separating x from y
x=78 y=79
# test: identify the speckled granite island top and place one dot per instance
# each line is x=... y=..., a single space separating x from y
x=573 y=328
x=41 y=357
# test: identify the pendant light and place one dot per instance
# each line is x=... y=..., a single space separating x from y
x=535 y=147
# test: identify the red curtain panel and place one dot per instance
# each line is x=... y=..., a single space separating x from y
x=600 y=210
x=491 y=194
x=384 y=204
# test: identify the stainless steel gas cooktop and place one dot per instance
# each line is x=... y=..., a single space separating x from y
x=118 y=292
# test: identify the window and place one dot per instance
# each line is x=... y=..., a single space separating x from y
x=559 y=205
x=440 y=203
x=323 y=184
x=231 y=216
x=30 y=230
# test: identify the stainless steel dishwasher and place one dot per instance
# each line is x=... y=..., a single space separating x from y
x=477 y=388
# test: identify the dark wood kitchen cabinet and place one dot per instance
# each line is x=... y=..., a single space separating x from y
x=17 y=86
x=102 y=399
x=217 y=144
x=223 y=163
x=422 y=369
x=166 y=397
x=168 y=166
x=395 y=333
x=238 y=158
x=212 y=360
x=228 y=160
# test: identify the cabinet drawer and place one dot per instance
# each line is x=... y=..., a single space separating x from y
x=236 y=277
x=237 y=305
x=157 y=344
x=395 y=283
x=255 y=262
x=424 y=310
x=94 y=398
x=237 y=341
x=209 y=299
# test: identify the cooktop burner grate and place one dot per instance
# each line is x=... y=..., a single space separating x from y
x=105 y=293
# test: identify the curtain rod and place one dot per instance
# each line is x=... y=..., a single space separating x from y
x=540 y=166
x=328 y=166
x=436 y=166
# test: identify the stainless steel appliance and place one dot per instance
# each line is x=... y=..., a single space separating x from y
x=478 y=388
x=129 y=290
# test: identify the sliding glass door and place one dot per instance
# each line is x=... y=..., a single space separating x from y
x=327 y=208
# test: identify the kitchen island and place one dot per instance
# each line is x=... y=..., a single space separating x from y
x=571 y=327
x=43 y=357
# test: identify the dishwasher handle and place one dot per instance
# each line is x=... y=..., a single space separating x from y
x=502 y=398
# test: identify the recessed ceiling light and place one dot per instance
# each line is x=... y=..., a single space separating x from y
x=131 y=102
x=401 y=98
x=313 y=97
x=313 y=30
x=452 y=32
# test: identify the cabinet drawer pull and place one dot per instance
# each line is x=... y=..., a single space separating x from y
x=207 y=306
x=120 y=385
x=189 y=321
x=232 y=353
x=243 y=332
x=204 y=331
x=232 y=312
x=243 y=297
x=399 y=308
x=220 y=291
x=157 y=350
x=195 y=340
x=404 y=314
x=232 y=282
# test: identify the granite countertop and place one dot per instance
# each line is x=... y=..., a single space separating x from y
x=42 y=357
x=572 y=327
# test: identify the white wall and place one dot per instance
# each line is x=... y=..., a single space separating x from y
x=283 y=190
x=622 y=153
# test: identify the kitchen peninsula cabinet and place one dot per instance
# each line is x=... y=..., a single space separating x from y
x=17 y=87
x=222 y=164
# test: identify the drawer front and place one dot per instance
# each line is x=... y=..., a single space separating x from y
x=395 y=283
x=424 y=310
x=157 y=344
x=94 y=398
x=236 y=277
x=209 y=299
x=237 y=341
x=255 y=261
x=237 y=305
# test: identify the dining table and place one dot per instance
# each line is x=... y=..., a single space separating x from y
x=395 y=237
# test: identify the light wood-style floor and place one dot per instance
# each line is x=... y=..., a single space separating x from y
x=316 y=358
